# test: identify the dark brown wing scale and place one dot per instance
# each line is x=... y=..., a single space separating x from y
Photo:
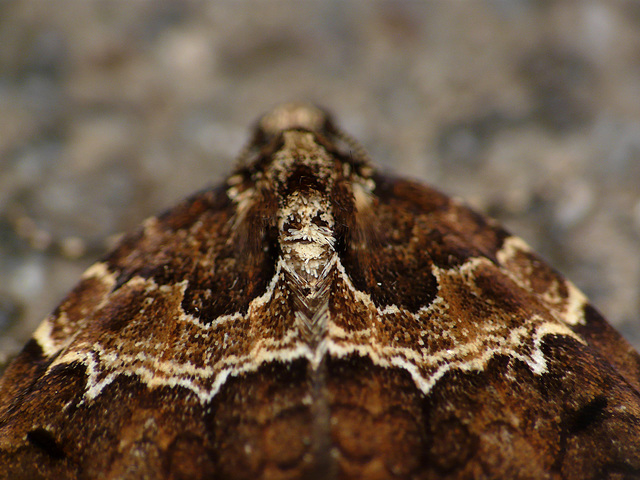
x=311 y=318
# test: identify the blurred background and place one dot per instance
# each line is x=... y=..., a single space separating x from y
x=112 y=111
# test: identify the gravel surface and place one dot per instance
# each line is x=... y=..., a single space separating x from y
x=112 y=111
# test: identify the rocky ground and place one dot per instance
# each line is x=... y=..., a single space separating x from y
x=112 y=111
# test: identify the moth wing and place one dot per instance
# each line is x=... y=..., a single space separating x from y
x=492 y=364
x=71 y=408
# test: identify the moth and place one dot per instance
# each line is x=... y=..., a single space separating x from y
x=311 y=318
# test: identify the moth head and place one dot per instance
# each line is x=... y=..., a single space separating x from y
x=302 y=127
x=290 y=116
x=297 y=152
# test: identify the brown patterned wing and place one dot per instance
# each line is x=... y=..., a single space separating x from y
x=481 y=361
x=123 y=379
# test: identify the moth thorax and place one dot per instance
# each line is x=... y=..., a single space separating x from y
x=306 y=236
